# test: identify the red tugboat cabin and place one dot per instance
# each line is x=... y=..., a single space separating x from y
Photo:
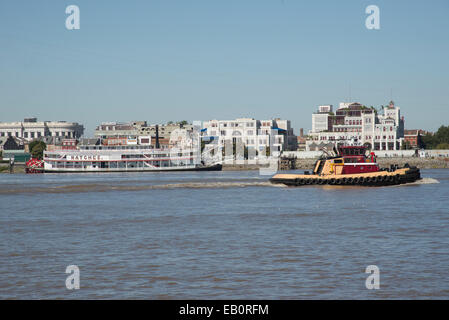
x=356 y=160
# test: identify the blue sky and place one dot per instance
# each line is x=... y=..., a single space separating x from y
x=161 y=60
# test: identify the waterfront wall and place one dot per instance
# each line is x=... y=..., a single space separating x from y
x=436 y=153
x=422 y=163
x=384 y=162
x=379 y=154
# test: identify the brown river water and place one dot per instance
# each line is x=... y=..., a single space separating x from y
x=220 y=235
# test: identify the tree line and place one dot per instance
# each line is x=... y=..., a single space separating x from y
x=438 y=140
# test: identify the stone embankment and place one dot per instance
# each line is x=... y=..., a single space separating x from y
x=422 y=163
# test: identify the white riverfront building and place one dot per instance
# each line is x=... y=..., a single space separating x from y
x=355 y=122
x=254 y=134
x=31 y=129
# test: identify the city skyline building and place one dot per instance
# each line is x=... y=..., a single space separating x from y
x=30 y=129
x=254 y=134
x=356 y=122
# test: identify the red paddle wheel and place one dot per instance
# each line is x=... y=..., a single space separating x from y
x=34 y=166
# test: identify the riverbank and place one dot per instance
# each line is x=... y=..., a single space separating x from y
x=422 y=163
x=17 y=168
x=306 y=164
x=242 y=167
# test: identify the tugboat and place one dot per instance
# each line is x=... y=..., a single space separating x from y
x=350 y=165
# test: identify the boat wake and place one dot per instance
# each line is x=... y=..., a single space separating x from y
x=117 y=187
x=416 y=183
x=424 y=181
x=95 y=187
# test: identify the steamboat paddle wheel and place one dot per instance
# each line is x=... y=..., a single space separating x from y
x=34 y=166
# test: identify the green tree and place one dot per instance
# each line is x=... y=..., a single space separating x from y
x=32 y=144
x=428 y=141
x=436 y=140
x=406 y=146
x=37 y=149
x=443 y=145
x=183 y=122
x=442 y=135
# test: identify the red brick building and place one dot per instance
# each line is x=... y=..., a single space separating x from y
x=413 y=139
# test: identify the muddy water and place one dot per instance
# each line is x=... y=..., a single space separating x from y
x=214 y=235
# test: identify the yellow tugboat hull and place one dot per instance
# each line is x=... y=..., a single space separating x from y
x=378 y=178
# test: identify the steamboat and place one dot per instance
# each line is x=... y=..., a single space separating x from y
x=350 y=165
x=126 y=158
x=122 y=154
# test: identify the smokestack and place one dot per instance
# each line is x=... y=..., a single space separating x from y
x=301 y=132
x=157 y=137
